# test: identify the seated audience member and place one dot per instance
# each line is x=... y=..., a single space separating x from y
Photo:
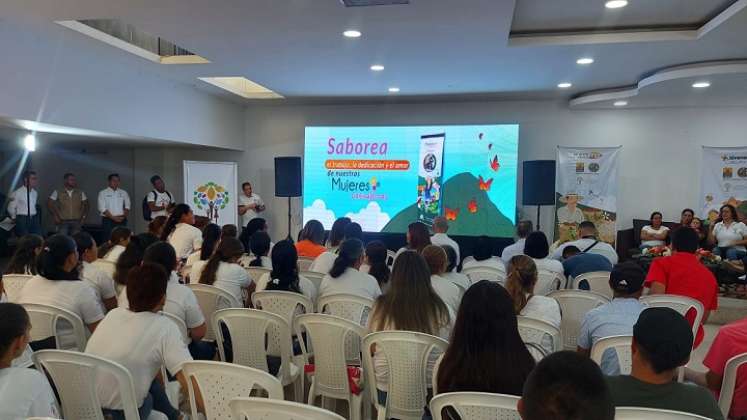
x=482 y=255
x=229 y=231
x=697 y=226
x=222 y=270
x=437 y=261
x=115 y=246
x=439 y=237
x=486 y=339
x=23 y=260
x=337 y=233
x=284 y=274
x=375 y=261
x=260 y=247
x=132 y=256
x=589 y=243
x=537 y=247
x=102 y=283
x=451 y=269
x=410 y=304
x=520 y=282
x=616 y=317
x=728 y=234
x=311 y=243
x=654 y=234
x=345 y=277
x=180 y=232
x=682 y=274
x=210 y=238
x=686 y=218
x=523 y=229
x=417 y=238
x=141 y=340
x=24 y=392
x=255 y=225
x=576 y=262
x=155 y=227
x=566 y=386
x=662 y=341
x=324 y=262
x=58 y=284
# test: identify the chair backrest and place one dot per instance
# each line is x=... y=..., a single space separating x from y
x=638 y=413
x=548 y=281
x=180 y=324
x=390 y=255
x=537 y=351
x=535 y=331
x=211 y=299
x=476 y=274
x=284 y=304
x=476 y=406
x=12 y=285
x=44 y=322
x=407 y=354
x=219 y=382
x=304 y=263
x=256 y=273
x=74 y=376
x=261 y=408
x=729 y=382
x=248 y=329
x=351 y=307
x=621 y=345
x=314 y=277
x=681 y=304
x=331 y=337
x=574 y=304
x=596 y=281
x=109 y=267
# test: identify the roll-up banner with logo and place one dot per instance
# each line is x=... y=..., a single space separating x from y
x=210 y=190
x=723 y=180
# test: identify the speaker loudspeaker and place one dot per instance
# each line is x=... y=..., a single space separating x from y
x=538 y=183
x=288 y=181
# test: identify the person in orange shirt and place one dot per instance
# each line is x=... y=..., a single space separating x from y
x=311 y=242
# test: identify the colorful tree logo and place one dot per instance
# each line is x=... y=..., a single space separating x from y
x=211 y=198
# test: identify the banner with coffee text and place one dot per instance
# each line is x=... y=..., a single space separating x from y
x=723 y=180
x=586 y=189
x=210 y=189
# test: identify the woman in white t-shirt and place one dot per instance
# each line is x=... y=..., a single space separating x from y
x=180 y=232
x=437 y=262
x=223 y=271
x=102 y=282
x=417 y=238
x=345 y=277
x=24 y=392
x=23 y=260
x=654 y=234
x=451 y=269
x=210 y=236
x=537 y=247
x=259 y=244
x=728 y=234
x=482 y=255
x=115 y=246
x=284 y=275
x=141 y=340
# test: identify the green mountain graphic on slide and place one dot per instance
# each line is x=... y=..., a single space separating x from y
x=458 y=191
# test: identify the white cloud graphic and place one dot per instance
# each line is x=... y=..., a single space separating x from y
x=318 y=210
x=371 y=218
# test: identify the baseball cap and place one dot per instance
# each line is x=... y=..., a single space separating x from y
x=627 y=278
x=665 y=335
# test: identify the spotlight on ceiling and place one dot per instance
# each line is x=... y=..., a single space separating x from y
x=29 y=143
x=620 y=103
x=616 y=4
x=585 y=60
x=351 y=33
x=393 y=89
x=564 y=85
x=377 y=67
x=701 y=85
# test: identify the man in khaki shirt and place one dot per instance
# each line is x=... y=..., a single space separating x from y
x=68 y=206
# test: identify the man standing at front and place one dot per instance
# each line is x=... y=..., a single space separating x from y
x=22 y=206
x=250 y=204
x=68 y=206
x=159 y=200
x=114 y=206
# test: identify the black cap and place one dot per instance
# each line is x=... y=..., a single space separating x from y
x=665 y=336
x=627 y=278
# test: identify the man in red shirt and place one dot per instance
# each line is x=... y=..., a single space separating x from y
x=682 y=274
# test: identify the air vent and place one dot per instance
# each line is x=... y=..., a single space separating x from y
x=360 y=3
x=242 y=86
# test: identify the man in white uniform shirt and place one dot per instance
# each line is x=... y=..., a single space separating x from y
x=439 y=237
x=22 y=206
x=589 y=244
x=159 y=200
x=114 y=206
x=250 y=204
x=68 y=206
x=523 y=229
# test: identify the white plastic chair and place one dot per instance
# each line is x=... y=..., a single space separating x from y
x=107 y=266
x=44 y=322
x=729 y=382
x=12 y=285
x=74 y=377
x=681 y=304
x=351 y=307
x=574 y=304
x=390 y=255
x=219 y=382
x=180 y=324
x=621 y=345
x=330 y=336
x=249 y=329
x=407 y=355
x=256 y=273
x=285 y=304
x=476 y=274
x=304 y=263
x=598 y=281
x=261 y=408
x=314 y=277
x=173 y=388
x=548 y=281
x=211 y=299
x=476 y=406
x=638 y=413
x=537 y=332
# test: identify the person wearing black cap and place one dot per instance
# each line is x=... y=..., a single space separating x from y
x=662 y=341
x=616 y=317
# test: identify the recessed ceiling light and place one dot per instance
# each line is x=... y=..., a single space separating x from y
x=351 y=33
x=585 y=60
x=564 y=85
x=701 y=85
x=377 y=67
x=393 y=90
x=616 y=4
x=620 y=103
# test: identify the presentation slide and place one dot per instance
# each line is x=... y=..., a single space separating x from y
x=385 y=178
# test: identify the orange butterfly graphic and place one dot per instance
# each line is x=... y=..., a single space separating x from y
x=494 y=165
x=472 y=206
x=451 y=214
x=484 y=185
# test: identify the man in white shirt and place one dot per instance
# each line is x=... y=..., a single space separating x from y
x=439 y=237
x=159 y=200
x=523 y=229
x=22 y=206
x=68 y=206
x=589 y=244
x=114 y=206
x=250 y=204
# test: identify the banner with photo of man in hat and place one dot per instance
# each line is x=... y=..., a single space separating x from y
x=586 y=189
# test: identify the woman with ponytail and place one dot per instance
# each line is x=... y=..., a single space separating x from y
x=417 y=238
x=24 y=259
x=223 y=271
x=210 y=237
x=180 y=232
x=131 y=257
x=284 y=276
x=112 y=249
x=376 y=262
x=260 y=247
x=345 y=277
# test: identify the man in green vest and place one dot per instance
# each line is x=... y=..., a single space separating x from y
x=68 y=206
